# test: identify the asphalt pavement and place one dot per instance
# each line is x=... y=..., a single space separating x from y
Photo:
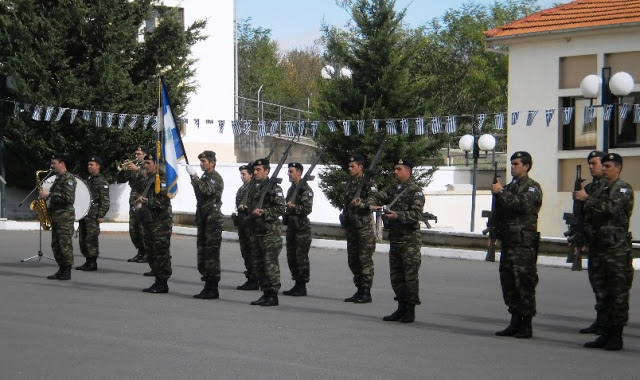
x=100 y=325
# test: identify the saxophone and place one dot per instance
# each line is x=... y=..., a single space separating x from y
x=40 y=205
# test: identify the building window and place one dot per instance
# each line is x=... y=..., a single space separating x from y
x=577 y=134
x=625 y=133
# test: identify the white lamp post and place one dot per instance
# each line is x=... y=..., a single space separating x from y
x=329 y=72
x=469 y=143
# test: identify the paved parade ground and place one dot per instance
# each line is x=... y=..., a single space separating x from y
x=100 y=325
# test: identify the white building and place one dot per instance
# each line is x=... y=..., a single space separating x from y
x=550 y=52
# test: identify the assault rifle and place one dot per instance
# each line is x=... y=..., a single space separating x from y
x=426 y=217
x=575 y=234
x=492 y=221
x=293 y=219
x=245 y=196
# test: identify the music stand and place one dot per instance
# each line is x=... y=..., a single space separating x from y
x=40 y=255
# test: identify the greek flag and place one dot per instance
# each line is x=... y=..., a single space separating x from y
x=567 y=115
x=72 y=117
x=133 y=121
x=154 y=123
x=247 y=127
x=288 y=129
x=360 y=127
x=481 y=118
x=48 y=113
x=262 y=128
x=531 y=115
x=220 y=125
x=98 y=118
x=608 y=109
x=376 y=125
x=302 y=130
x=588 y=114
x=36 y=113
x=436 y=125
x=514 y=117
x=60 y=113
x=27 y=107
x=332 y=125
x=498 y=121
x=624 y=110
x=274 y=127
x=404 y=125
x=86 y=115
x=451 y=124
x=121 y=118
x=346 y=126
x=109 y=119
x=548 y=114
x=197 y=121
x=235 y=125
x=420 y=126
x=314 y=128
x=172 y=149
x=145 y=121
x=636 y=113
x=391 y=127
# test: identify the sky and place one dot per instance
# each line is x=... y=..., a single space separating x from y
x=296 y=23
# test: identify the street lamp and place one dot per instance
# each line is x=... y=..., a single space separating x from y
x=259 y=108
x=329 y=72
x=469 y=143
x=620 y=84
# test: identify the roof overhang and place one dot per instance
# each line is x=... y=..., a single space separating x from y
x=506 y=39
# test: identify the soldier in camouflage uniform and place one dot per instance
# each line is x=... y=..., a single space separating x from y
x=241 y=220
x=155 y=214
x=519 y=203
x=403 y=205
x=89 y=226
x=266 y=242
x=593 y=189
x=299 y=204
x=132 y=173
x=208 y=190
x=361 y=240
x=61 y=196
x=609 y=213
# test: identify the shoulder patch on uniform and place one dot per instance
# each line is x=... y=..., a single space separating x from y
x=106 y=186
x=279 y=193
x=623 y=190
x=310 y=194
x=374 y=189
x=532 y=189
x=212 y=181
x=70 y=183
x=418 y=194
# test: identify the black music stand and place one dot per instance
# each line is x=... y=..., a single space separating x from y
x=40 y=255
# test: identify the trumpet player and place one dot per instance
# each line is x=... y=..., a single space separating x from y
x=61 y=197
x=90 y=225
x=131 y=171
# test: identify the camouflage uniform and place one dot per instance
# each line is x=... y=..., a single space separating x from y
x=62 y=195
x=299 y=232
x=266 y=242
x=208 y=189
x=361 y=239
x=405 y=237
x=156 y=217
x=137 y=183
x=89 y=228
x=519 y=204
x=610 y=263
x=244 y=233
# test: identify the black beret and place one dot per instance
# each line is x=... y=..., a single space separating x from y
x=96 y=159
x=612 y=157
x=404 y=161
x=62 y=157
x=261 y=162
x=208 y=154
x=243 y=167
x=357 y=158
x=296 y=165
x=149 y=156
x=595 y=153
x=521 y=154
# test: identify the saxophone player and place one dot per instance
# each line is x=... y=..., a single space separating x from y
x=61 y=197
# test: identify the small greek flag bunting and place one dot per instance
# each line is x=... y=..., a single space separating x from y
x=636 y=113
x=133 y=121
x=220 y=125
x=154 y=123
x=498 y=121
x=624 y=110
x=48 y=113
x=376 y=125
x=145 y=121
x=72 y=117
x=314 y=128
x=247 y=127
x=589 y=114
x=197 y=121
x=235 y=126
x=391 y=127
x=288 y=129
x=608 y=109
x=86 y=115
x=331 y=125
x=302 y=130
x=109 y=119
x=60 y=113
x=121 y=117
x=98 y=118
x=404 y=126
x=451 y=124
x=514 y=117
x=346 y=126
x=274 y=128
x=548 y=114
x=420 y=126
x=567 y=115
x=481 y=119
x=16 y=108
x=27 y=107
x=436 y=125
x=262 y=128
x=360 y=127
x=36 y=113
x=531 y=115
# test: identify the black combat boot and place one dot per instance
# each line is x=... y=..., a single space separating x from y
x=143 y=259
x=291 y=291
x=600 y=341
x=271 y=299
x=513 y=327
x=249 y=285
x=83 y=266
x=137 y=257
x=615 y=339
x=525 y=331
x=91 y=265
x=396 y=315
x=260 y=300
x=56 y=275
x=365 y=297
x=595 y=328
x=301 y=291
x=355 y=295
x=409 y=313
x=159 y=286
x=65 y=273
x=209 y=292
x=149 y=274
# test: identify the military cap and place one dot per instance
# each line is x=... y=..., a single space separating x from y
x=615 y=157
x=357 y=158
x=62 y=157
x=149 y=156
x=140 y=147
x=243 y=167
x=522 y=155
x=261 y=162
x=595 y=153
x=96 y=159
x=405 y=162
x=296 y=165
x=211 y=155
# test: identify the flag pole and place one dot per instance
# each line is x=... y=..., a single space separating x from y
x=159 y=130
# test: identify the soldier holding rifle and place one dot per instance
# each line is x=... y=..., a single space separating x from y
x=244 y=228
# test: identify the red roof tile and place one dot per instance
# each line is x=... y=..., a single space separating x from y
x=575 y=15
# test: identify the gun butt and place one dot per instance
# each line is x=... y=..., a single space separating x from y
x=491 y=255
x=485 y=231
x=486 y=213
x=311 y=178
x=278 y=180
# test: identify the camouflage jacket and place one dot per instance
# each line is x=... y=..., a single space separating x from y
x=408 y=204
x=303 y=201
x=208 y=189
x=99 y=188
x=272 y=205
x=359 y=214
x=593 y=189
x=519 y=203
x=137 y=182
x=609 y=213
x=158 y=206
x=62 y=194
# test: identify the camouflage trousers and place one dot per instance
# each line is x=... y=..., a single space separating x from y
x=61 y=232
x=266 y=249
x=361 y=243
x=136 y=230
x=611 y=273
x=601 y=317
x=404 y=266
x=89 y=230
x=209 y=240
x=298 y=243
x=519 y=277
x=244 y=237
x=157 y=241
